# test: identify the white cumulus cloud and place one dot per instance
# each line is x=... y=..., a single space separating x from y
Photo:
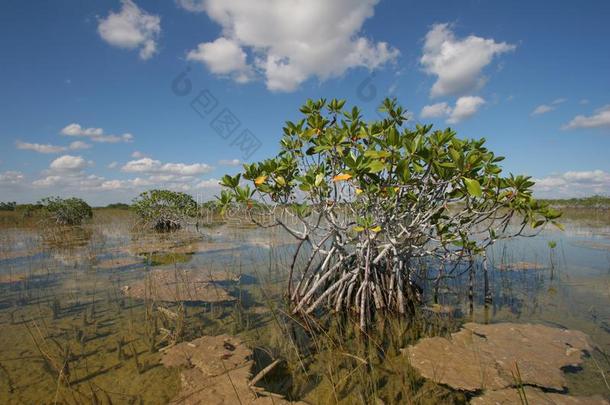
x=210 y=183
x=465 y=107
x=573 y=184
x=70 y=181
x=131 y=28
x=95 y=134
x=67 y=172
x=151 y=166
x=288 y=41
x=436 y=110
x=11 y=177
x=600 y=119
x=47 y=181
x=144 y=165
x=49 y=149
x=77 y=130
x=458 y=63
x=68 y=163
x=112 y=184
x=67 y=175
x=77 y=145
x=40 y=148
x=223 y=57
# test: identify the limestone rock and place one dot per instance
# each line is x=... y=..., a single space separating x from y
x=455 y=364
x=533 y=395
x=216 y=370
x=483 y=357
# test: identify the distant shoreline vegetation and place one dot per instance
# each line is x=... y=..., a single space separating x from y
x=595 y=202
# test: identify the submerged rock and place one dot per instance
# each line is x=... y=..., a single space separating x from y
x=216 y=370
x=441 y=309
x=533 y=395
x=485 y=357
x=118 y=262
x=203 y=247
x=520 y=266
x=178 y=244
x=171 y=285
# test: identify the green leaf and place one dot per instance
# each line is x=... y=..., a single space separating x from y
x=377 y=154
x=402 y=169
x=538 y=223
x=319 y=178
x=376 y=166
x=473 y=187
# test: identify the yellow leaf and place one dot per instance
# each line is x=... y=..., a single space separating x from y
x=376 y=229
x=359 y=191
x=260 y=180
x=342 y=176
x=397 y=189
x=358 y=228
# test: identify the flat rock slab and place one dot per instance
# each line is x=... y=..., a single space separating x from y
x=174 y=285
x=484 y=357
x=533 y=395
x=216 y=370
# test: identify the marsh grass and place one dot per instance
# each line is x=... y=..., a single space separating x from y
x=61 y=312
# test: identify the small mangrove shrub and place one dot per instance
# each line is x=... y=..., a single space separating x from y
x=164 y=210
x=370 y=201
x=68 y=211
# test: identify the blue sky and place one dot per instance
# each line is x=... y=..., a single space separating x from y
x=92 y=103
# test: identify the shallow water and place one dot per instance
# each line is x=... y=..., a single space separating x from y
x=71 y=334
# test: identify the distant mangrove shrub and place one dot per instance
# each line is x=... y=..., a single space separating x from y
x=164 y=210
x=28 y=210
x=8 y=206
x=371 y=202
x=118 y=206
x=69 y=211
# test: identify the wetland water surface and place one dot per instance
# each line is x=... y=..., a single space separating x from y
x=87 y=313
